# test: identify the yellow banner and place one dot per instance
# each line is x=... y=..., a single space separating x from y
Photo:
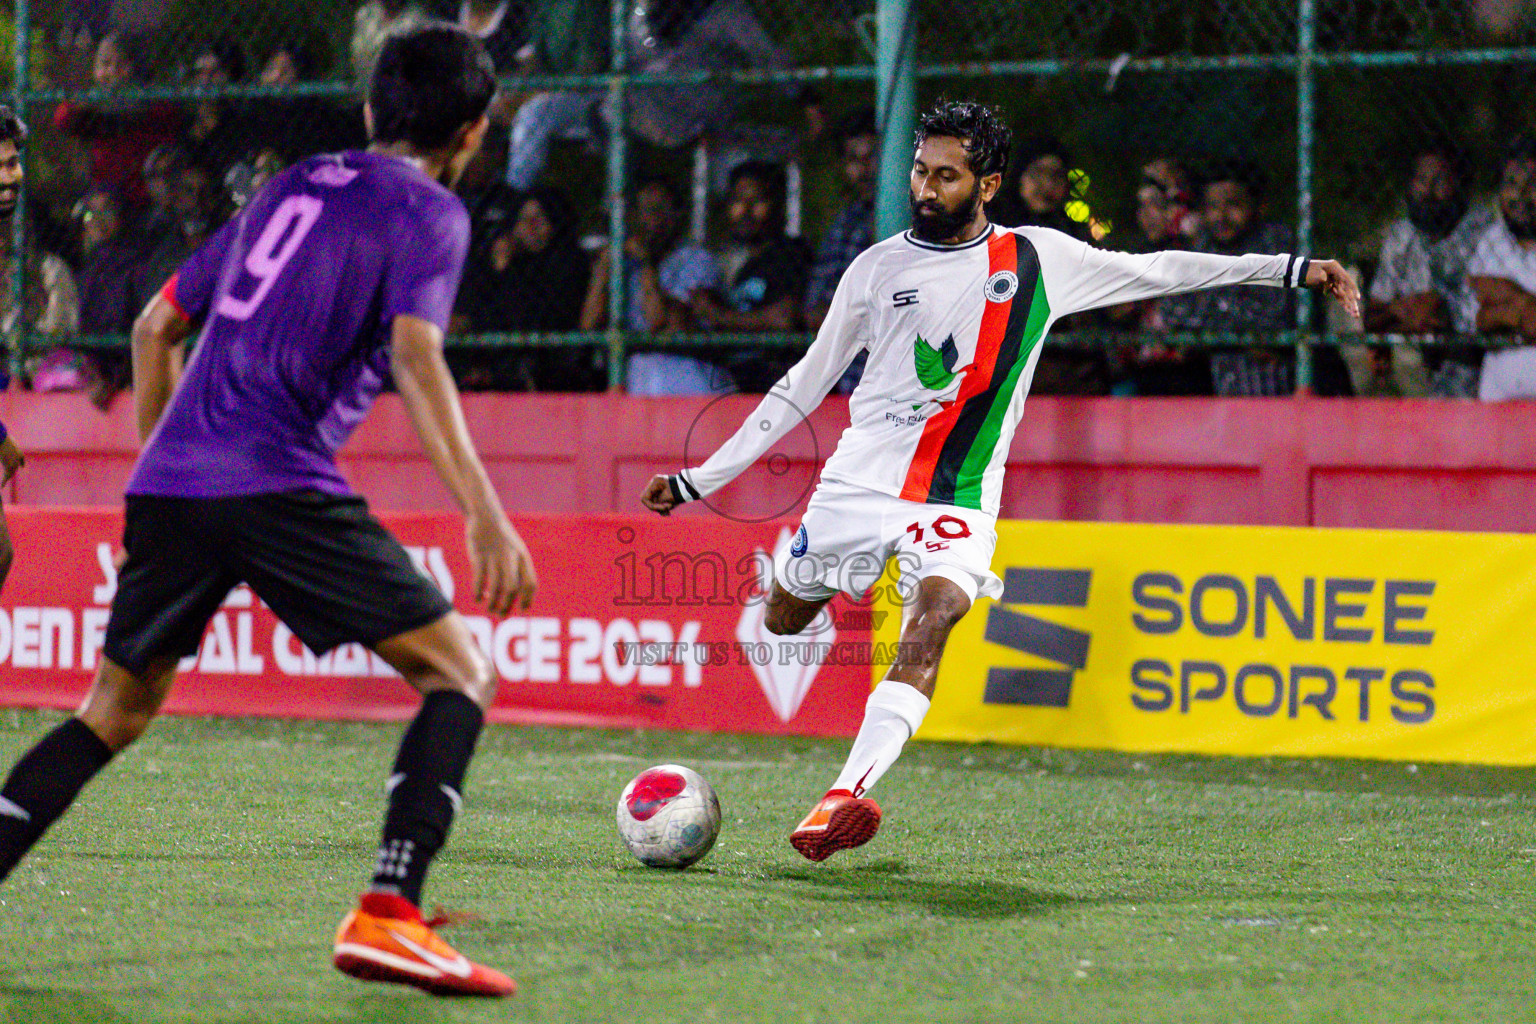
x=1249 y=640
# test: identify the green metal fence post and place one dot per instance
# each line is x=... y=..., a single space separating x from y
x=18 y=283
x=618 y=279
x=896 y=109
x=1306 y=119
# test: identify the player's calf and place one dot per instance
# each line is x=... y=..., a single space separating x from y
x=427 y=780
x=844 y=819
x=43 y=784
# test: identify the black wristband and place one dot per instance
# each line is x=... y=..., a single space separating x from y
x=682 y=490
x=1296 y=271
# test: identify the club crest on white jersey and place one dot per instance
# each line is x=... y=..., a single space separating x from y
x=1002 y=285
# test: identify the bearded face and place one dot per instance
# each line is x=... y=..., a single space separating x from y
x=932 y=221
x=1517 y=198
x=1436 y=201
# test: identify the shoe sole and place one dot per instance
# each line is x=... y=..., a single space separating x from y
x=368 y=970
x=851 y=825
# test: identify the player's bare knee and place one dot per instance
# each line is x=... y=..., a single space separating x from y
x=789 y=615
x=479 y=679
x=782 y=621
x=941 y=604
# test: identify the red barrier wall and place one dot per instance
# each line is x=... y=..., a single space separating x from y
x=1369 y=463
x=639 y=623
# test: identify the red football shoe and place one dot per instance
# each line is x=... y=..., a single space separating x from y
x=385 y=939
x=840 y=821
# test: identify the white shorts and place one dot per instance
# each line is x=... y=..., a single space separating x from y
x=849 y=533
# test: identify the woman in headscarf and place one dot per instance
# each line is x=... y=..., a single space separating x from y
x=531 y=276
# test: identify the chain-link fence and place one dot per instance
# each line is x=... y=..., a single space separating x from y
x=726 y=151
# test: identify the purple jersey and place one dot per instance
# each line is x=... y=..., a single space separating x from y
x=297 y=297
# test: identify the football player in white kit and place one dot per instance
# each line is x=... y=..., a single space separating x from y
x=952 y=313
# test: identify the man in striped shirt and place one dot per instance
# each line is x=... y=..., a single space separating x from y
x=952 y=314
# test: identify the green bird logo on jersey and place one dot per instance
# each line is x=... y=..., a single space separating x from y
x=936 y=366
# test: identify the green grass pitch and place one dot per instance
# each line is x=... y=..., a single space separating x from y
x=202 y=875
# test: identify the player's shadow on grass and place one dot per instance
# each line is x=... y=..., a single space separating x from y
x=883 y=881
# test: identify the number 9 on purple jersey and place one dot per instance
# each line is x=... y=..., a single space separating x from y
x=295 y=299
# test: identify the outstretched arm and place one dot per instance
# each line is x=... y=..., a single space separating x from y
x=798 y=392
x=503 y=569
x=1080 y=277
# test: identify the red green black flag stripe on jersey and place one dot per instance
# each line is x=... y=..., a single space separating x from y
x=957 y=443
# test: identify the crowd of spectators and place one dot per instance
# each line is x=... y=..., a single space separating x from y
x=155 y=178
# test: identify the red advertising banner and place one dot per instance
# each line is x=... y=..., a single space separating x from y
x=639 y=623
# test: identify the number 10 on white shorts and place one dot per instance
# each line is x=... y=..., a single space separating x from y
x=849 y=534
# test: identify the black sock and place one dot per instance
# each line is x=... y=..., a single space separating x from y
x=424 y=790
x=43 y=785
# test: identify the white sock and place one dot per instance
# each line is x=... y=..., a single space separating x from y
x=891 y=716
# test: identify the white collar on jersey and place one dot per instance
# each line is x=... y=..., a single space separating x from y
x=956 y=247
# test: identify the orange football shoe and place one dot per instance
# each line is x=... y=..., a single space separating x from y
x=385 y=939
x=840 y=821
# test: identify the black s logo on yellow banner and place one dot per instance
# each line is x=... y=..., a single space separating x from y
x=1042 y=687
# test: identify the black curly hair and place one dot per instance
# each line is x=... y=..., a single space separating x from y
x=980 y=128
x=12 y=128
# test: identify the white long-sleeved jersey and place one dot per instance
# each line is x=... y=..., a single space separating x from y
x=953 y=333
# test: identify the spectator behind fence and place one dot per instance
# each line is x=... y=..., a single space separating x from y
x=500 y=25
x=49 y=295
x=852 y=230
x=693 y=35
x=532 y=276
x=162 y=171
x=1502 y=273
x=374 y=22
x=245 y=179
x=119 y=133
x=565 y=37
x=1420 y=283
x=295 y=127
x=111 y=283
x=218 y=131
x=1040 y=189
x=662 y=270
x=1232 y=208
x=571 y=37
x=1177 y=214
x=1164 y=220
x=766 y=291
x=195 y=212
x=50 y=303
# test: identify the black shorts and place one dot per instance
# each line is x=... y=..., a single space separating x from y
x=320 y=561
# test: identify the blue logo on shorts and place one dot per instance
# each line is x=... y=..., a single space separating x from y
x=801 y=542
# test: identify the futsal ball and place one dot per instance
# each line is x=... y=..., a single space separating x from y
x=669 y=816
